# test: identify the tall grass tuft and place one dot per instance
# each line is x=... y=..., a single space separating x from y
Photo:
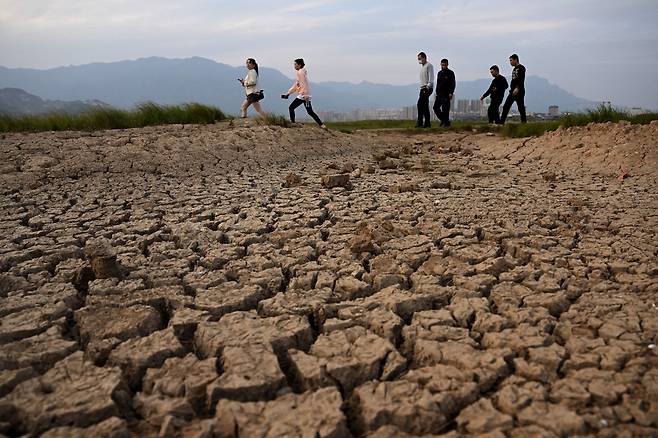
x=145 y=114
x=275 y=120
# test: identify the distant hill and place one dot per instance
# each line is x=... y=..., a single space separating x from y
x=173 y=81
x=15 y=101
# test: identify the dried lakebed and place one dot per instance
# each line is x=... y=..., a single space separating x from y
x=258 y=281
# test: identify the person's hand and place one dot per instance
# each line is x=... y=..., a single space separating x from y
x=284 y=96
x=482 y=98
x=515 y=92
x=306 y=98
x=241 y=81
x=449 y=96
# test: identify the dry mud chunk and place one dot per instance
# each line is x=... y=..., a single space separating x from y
x=31 y=322
x=165 y=297
x=513 y=397
x=243 y=328
x=464 y=309
x=297 y=302
x=48 y=294
x=250 y=373
x=186 y=377
x=10 y=378
x=229 y=297
x=348 y=357
x=555 y=303
x=62 y=396
x=350 y=288
x=399 y=403
x=339 y=180
x=482 y=417
x=111 y=428
x=40 y=351
x=155 y=408
x=556 y=418
x=184 y=321
x=103 y=258
x=379 y=320
x=518 y=339
x=102 y=327
x=135 y=355
x=316 y=414
x=404 y=303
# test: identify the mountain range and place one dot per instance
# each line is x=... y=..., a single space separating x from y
x=171 y=81
x=19 y=102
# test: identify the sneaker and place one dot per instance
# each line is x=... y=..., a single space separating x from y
x=323 y=126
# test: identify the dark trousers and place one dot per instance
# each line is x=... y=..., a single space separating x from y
x=519 y=99
x=442 y=109
x=309 y=109
x=494 y=111
x=424 y=107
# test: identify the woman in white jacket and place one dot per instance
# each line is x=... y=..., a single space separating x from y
x=250 y=84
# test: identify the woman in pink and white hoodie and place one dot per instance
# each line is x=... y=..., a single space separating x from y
x=303 y=90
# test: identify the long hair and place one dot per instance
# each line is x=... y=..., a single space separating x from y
x=253 y=61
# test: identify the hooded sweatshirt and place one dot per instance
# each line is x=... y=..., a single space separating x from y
x=301 y=85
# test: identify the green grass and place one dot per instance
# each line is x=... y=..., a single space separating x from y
x=146 y=114
x=275 y=120
x=600 y=114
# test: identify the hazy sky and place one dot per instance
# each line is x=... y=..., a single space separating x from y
x=596 y=49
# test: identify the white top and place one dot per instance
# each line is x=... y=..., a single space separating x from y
x=427 y=75
x=251 y=82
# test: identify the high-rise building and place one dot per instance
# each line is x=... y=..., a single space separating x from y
x=553 y=110
x=462 y=106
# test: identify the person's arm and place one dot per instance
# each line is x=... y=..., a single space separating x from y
x=488 y=92
x=453 y=84
x=503 y=83
x=430 y=77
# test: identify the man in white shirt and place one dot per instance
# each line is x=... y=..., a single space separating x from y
x=426 y=88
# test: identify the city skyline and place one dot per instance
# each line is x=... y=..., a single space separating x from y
x=570 y=43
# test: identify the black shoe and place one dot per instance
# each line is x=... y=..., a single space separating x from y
x=427 y=126
x=418 y=126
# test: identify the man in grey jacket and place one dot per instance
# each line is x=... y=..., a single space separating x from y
x=426 y=88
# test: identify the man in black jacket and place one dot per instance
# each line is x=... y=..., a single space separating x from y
x=497 y=92
x=516 y=90
x=445 y=89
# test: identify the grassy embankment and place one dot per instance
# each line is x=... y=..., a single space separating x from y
x=146 y=114
x=533 y=128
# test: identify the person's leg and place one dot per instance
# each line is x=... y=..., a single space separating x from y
x=506 y=108
x=419 y=107
x=445 y=110
x=259 y=110
x=495 y=111
x=520 y=103
x=437 y=107
x=309 y=110
x=490 y=113
x=243 y=109
x=293 y=106
x=426 y=110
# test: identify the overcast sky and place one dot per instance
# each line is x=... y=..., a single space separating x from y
x=596 y=49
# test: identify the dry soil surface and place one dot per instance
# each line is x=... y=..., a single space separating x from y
x=247 y=281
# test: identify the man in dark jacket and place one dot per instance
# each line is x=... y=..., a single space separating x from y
x=497 y=92
x=445 y=89
x=516 y=90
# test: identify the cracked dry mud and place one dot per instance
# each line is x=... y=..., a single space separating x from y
x=246 y=281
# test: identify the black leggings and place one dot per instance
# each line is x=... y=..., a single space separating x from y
x=309 y=109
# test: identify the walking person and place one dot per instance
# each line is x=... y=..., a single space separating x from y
x=517 y=90
x=302 y=87
x=426 y=88
x=445 y=90
x=497 y=92
x=254 y=95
